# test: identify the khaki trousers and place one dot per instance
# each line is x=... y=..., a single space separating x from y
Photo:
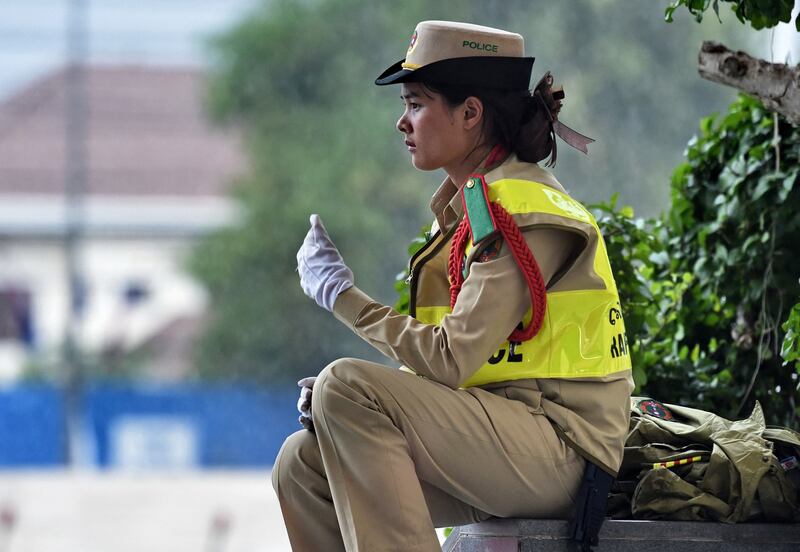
x=395 y=455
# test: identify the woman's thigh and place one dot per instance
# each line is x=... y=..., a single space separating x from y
x=299 y=465
x=486 y=451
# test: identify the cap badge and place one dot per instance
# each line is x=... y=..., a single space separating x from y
x=412 y=44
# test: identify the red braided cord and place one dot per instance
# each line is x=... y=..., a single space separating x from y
x=525 y=260
x=457 y=249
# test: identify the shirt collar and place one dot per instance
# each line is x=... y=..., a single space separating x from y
x=446 y=205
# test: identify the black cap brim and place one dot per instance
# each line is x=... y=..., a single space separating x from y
x=509 y=73
x=393 y=75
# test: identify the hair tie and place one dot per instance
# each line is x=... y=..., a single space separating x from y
x=551 y=101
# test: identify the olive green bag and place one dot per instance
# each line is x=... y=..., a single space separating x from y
x=687 y=464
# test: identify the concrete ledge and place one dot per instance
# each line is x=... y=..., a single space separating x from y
x=535 y=535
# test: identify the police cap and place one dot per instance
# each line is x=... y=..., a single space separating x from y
x=446 y=52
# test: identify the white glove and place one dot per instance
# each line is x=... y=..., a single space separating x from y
x=323 y=274
x=304 y=402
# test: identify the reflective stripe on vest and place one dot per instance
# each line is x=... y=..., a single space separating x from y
x=583 y=333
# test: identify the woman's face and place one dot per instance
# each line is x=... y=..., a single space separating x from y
x=434 y=132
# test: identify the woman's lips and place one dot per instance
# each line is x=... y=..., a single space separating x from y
x=411 y=145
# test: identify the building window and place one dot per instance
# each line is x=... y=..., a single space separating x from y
x=16 y=316
x=135 y=293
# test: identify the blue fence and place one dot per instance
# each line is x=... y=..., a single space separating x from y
x=32 y=427
x=141 y=426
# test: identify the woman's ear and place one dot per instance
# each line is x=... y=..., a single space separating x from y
x=473 y=112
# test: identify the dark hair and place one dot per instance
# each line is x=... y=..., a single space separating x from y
x=520 y=120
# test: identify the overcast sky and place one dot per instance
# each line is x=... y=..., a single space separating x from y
x=164 y=32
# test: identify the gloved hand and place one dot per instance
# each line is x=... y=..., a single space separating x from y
x=323 y=274
x=304 y=403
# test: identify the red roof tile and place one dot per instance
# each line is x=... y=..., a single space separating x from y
x=147 y=135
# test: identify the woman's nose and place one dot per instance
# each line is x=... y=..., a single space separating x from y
x=402 y=124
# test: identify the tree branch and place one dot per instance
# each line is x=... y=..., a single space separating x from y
x=777 y=85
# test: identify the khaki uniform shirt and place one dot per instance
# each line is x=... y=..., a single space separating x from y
x=590 y=414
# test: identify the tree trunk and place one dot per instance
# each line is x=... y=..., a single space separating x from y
x=777 y=85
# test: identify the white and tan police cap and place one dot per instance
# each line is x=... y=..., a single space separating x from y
x=446 y=52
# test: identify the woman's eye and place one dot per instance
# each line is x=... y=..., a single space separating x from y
x=413 y=105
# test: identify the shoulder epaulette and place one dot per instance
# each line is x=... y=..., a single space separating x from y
x=475 y=198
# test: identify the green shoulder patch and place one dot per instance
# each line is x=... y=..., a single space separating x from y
x=475 y=198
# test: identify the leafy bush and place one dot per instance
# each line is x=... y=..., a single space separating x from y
x=734 y=224
x=650 y=294
x=705 y=287
x=790 y=350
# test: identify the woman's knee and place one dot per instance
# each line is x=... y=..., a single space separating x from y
x=299 y=450
x=341 y=369
x=327 y=380
x=340 y=377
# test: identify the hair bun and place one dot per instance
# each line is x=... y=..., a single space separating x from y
x=536 y=139
x=551 y=98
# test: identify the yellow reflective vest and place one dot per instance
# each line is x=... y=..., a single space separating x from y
x=583 y=332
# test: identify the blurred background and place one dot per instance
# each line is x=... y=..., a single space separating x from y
x=158 y=163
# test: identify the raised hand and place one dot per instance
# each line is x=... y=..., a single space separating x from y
x=323 y=274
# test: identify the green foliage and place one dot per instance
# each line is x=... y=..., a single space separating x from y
x=733 y=224
x=401 y=283
x=790 y=350
x=760 y=14
x=651 y=305
x=705 y=287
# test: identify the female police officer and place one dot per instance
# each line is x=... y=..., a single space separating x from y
x=515 y=272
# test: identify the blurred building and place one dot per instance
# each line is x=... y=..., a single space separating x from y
x=157 y=176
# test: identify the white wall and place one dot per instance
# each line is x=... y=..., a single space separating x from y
x=109 y=265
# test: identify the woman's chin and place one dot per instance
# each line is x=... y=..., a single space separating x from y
x=422 y=164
